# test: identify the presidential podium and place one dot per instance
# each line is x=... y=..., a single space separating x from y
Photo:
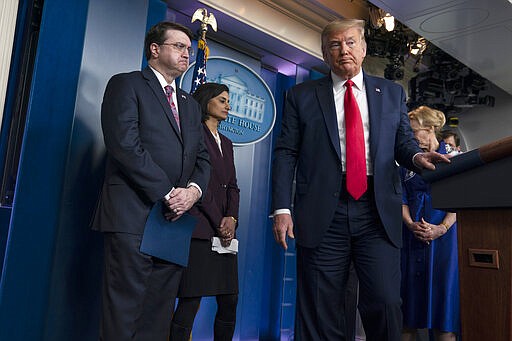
x=478 y=187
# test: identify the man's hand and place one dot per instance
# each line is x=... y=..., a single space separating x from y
x=283 y=226
x=181 y=200
x=427 y=160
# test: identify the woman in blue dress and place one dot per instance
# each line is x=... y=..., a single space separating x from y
x=430 y=276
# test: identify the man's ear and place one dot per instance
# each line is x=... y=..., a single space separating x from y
x=155 y=49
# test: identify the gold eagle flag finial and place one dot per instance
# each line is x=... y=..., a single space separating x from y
x=206 y=19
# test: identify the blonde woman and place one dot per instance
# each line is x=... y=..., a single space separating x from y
x=430 y=283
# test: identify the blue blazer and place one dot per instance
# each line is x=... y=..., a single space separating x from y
x=308 y=150
x=146 y=153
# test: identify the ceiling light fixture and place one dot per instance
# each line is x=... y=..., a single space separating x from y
x=418 y=47
x=379 y=18
x=389 y=22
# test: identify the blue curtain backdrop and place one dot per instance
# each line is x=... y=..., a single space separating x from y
x=51 y=275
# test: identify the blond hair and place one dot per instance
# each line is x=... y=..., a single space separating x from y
x=343 y=25
x=428 y=117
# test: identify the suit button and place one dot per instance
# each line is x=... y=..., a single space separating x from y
x=224 y=186
x=336 y=194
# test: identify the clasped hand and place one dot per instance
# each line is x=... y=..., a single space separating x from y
x=425 y=231
x=180 y=201
x=226 y=231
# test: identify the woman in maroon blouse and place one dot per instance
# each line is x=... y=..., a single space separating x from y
x=210 y=273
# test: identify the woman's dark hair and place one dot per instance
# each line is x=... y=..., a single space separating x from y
x=205 y=92
x=158 y=33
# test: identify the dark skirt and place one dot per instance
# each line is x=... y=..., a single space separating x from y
x=208 y=273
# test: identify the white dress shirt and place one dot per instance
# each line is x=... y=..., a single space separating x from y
x=339 y=89
x=163 y=84
x=216 y=137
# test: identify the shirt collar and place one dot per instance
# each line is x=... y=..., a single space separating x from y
x=161 y=79
x=338 y=83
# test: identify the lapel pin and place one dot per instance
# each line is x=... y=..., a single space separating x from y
x=183 y=96
x=377 y=89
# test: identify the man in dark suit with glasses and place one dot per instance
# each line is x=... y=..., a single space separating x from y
x=155 y=152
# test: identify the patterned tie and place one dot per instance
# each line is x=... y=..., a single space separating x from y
x=168 y=92
x=354 y=142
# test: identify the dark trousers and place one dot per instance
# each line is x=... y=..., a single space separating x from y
x=356 y=234
x=351 y=303
x=225 y=318
x=139 y=291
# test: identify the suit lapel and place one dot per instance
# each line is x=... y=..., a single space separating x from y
x=216 y=158
x=374 y=97
x=209 y=140
x=325 y=97
x=159 y=93
x=224 y=159
x=183 y=105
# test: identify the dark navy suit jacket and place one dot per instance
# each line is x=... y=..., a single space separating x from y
x=308 y=150
x=146 y=153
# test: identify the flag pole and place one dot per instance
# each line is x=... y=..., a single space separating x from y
x=199 y=74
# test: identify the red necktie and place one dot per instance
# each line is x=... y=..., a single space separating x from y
x=168 y=92
x=354 y=143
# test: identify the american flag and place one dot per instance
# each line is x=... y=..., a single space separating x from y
x=199 y=75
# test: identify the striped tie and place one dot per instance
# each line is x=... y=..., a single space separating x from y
x=168 y=92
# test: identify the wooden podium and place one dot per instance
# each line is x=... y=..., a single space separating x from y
x=481 y=194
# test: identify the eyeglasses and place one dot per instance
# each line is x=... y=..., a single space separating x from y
x=181 y=48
